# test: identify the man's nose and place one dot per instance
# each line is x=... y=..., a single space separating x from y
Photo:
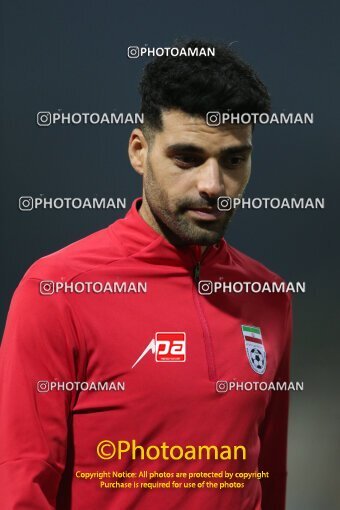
x=210 y=179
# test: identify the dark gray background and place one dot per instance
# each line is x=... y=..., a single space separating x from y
x=72 y=55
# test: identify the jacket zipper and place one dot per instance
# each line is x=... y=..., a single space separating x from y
x=209 y=352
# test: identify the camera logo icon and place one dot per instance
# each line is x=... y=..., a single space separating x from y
x=221 y=386
x=205 y=287
x=224 y=203
x=43 y=386
x=213 y=118
x=26 y=203
x=133 y=52
x=46 y=287
x=44 y=119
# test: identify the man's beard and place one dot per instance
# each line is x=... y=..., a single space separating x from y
x=174 y=221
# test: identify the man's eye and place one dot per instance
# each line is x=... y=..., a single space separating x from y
x=234 y=161
x=186 y=161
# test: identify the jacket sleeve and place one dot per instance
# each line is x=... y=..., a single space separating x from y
x=40 y=346
x=273 y=433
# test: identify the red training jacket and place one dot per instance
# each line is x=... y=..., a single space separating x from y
x=164 y=348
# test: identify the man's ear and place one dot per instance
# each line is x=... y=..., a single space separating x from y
x=138 y=150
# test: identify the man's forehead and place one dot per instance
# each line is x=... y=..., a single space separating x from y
x=179 y=127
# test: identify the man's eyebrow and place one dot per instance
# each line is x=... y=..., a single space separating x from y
x=192 y=148
x=184 y=147
x=245 y=147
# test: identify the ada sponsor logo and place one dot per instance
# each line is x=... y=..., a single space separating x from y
x=167 y=347
x=255 y=349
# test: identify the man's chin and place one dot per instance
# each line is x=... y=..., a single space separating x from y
x=199 y=232
x=182 y=230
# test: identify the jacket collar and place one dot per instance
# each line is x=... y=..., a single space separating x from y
x=141 y=241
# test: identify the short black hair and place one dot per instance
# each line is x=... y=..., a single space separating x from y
x=200 y=84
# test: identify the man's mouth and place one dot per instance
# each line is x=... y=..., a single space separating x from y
x=205 y=213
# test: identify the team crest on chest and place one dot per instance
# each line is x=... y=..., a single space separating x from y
x=254 y=348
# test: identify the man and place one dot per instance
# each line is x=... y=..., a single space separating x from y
x=170 y=350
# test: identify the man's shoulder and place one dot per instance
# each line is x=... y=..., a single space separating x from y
x=81 y=256
x=251 y=268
